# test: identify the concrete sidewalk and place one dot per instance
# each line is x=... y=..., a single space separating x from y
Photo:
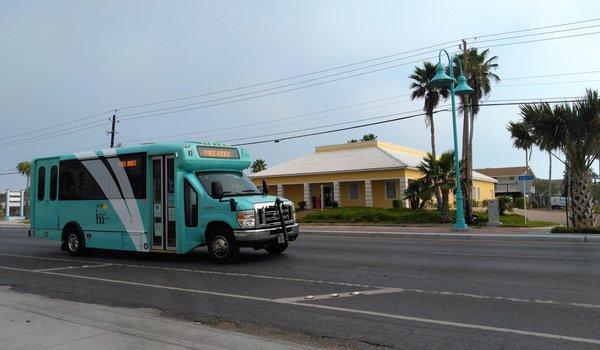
x=446 y=232
x=34 y=322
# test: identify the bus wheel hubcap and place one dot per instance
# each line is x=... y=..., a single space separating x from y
x=73 y=242
x=220 y=246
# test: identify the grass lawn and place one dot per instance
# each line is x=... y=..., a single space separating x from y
x=399 y=216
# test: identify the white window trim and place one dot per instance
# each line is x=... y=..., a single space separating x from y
x=395 y=190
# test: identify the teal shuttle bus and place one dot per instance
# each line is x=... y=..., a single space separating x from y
x=167 y=197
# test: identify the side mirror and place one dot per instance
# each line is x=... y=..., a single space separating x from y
x=265 y=187
x=216 y=188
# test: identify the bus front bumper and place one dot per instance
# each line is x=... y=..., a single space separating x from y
x=265 y=236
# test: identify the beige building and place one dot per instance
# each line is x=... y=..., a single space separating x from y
x=372 y=174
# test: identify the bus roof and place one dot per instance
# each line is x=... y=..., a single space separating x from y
x=212 y=153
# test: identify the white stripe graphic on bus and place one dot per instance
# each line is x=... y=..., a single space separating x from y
x=102 y=176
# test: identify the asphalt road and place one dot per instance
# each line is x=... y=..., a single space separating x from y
x=414 y=294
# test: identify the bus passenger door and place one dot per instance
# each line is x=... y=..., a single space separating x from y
x=163 y=203
x=45 y=214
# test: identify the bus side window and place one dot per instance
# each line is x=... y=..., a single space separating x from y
x=191 y=204
x=41 y=183
x=53 y=182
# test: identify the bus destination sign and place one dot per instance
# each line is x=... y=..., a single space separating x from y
x=218 y=152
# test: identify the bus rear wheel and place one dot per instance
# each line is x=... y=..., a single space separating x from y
x=222 y=247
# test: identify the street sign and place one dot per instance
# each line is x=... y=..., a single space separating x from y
x=526 y=177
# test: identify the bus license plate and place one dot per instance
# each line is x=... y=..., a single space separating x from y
x=280 y=238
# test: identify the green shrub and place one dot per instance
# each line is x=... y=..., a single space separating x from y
x=372 y=215
x=335 y=204
x=397 y=203
x=563 y=229
x=505 y=204
x=518 y=203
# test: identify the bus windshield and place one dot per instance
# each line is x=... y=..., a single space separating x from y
x=234 y=184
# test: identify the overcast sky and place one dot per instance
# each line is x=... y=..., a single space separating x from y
x=66 y=60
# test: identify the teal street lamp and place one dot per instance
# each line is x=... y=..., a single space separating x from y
x=442 y=79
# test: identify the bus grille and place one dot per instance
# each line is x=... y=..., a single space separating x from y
x=268 y=216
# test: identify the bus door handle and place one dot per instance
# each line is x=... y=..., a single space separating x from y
x=209 y=206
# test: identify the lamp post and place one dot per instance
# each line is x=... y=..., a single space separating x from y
x=441 y=79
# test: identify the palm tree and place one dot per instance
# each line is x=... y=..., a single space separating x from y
x=440 y=173
x=480 y=75
x=574 y=129
x=421 y=89
x=522 y=139
x=258 y=165
x=23 y=169
x=369 y=137
x=418 y=192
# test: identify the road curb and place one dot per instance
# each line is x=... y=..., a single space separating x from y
x=568 y=238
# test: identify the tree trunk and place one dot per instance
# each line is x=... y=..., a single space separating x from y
x=438 y=197
x=549 y=180
x=582 y=204
x=445 y=213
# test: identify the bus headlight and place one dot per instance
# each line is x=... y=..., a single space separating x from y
x=246 y=218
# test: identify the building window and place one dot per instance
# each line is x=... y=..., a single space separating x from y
x=476 y=193
x=390 y=190
x=353 y=191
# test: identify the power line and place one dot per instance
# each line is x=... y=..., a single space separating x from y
x=45 y=137
x=56 y=125
x=553 y=82
x=538 y=28
x=13 y=173
x=325 y=70
x=538 y=40
x=355 y=63
x=534 y=34
x=296 y=116
x=383 y=122
x=551 y=75
x=124 y=117
x=168 y=110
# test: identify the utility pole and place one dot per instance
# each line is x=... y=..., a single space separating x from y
x=112 y=130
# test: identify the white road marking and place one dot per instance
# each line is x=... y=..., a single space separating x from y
x=511 y=256
x=332 y=308
x=72 y=267
x=208 y=272
x=293 y=279
x=400 y=238
x=342 y=295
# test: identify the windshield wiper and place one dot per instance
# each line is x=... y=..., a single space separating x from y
x=229 y=193
x=251 y=192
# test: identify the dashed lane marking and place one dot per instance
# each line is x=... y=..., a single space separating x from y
x=332 y=308
x=293 y=279
x=208 y=272
x=493 y=255
x=342 y=295
x=72 y=267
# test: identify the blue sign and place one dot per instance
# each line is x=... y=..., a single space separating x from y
x=526 y=177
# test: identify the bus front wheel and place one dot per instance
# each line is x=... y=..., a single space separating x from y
x=222 y=247
x=75 y=244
